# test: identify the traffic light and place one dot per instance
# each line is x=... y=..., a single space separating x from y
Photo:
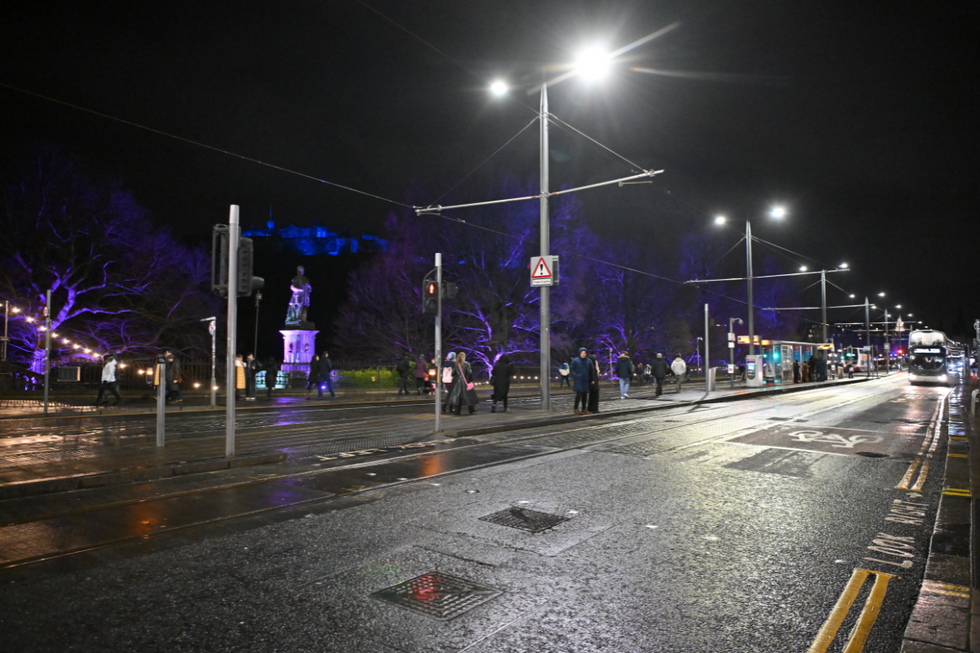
x=219 y=260
x=449 y=290
x=430 y=298
x=247 y=284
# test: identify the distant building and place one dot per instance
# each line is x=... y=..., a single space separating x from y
x=318 y=240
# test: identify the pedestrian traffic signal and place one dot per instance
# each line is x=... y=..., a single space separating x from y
x=247 y=284
x=430 y=298
x=219 y=260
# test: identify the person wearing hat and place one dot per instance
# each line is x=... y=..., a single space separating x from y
x=109 y=380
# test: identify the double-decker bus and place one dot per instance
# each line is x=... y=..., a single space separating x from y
x=933 y=358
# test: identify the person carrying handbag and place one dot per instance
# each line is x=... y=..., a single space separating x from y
x=463 y=392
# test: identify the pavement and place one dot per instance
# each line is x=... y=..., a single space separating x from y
x=943 y=617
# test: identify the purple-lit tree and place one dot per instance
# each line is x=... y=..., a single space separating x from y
x=118 y=283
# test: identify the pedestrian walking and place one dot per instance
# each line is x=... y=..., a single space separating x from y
x=313 y=378
x=647 y=374
x=326 y=369
x=252 y=368
x=582 y=375
x=446 y=376
x=500 y=377
x=679 y=369
x=421 y=372
x=850 y=371
x=659 y=370
x=239 y=376
x=564 y=375
x=271 y=376
x=110 y=381
x=593 y=406
x=624 y=372
x=173 y=378
x=463 y=392
x=402 y=368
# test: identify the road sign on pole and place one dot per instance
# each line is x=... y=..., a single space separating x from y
x=541 y=271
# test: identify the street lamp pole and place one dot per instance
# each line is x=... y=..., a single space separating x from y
x=867 y=333
x=823 y=303
x=255 y=348
x=545 y=330
x=6 y=312
x=888 y=348
x=748 y=275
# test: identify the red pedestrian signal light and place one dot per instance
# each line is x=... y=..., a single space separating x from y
x=430 y=298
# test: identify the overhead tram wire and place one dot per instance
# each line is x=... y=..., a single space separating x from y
x=204 y=145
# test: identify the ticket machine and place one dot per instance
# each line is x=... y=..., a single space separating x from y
x=755 y=371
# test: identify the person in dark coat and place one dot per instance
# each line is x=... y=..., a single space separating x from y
x=403 y=368
x=659 y=370
x=326 y=367
x=624 y=372
x=421 y=370
x=173 y=379
x=460 y=395
x=500 y=378
x=252 y=368
x=446 y=377
x=594 y=388
x=313 y=380
x=271 y=376
x=582 y=376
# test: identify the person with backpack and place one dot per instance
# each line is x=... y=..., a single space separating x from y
x=624 y=372
x=564 y=375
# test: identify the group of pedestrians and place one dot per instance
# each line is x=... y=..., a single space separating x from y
x=582 y=374
x=320 y=376
x=457 y=375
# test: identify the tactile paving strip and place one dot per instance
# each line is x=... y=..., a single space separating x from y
x=438 y=595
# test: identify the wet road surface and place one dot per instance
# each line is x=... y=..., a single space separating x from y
x=728 y=527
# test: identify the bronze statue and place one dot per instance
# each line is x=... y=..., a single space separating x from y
x=299 y=303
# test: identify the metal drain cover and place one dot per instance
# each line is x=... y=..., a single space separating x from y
x=438 y=595
x=525 y=519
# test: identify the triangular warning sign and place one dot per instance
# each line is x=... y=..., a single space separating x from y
x=541 y=270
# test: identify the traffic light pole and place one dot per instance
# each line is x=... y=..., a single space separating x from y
x=438 y=383
x=231 y=372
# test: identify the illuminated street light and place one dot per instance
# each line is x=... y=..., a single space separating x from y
x=499 y=88
x=592 y=62
x=843 y=266
x=802 y=268
x=720 y=219
x=778 y=212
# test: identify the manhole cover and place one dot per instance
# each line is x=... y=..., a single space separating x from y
x=524 y=519
x=872 y=454
x=438 y=595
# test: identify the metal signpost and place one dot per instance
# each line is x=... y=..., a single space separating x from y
x=47 y=348
x=232 y=371
x=438 y=383
x=212 y=329
x=161 y=400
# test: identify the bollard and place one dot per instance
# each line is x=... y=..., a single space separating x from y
x=161 y=400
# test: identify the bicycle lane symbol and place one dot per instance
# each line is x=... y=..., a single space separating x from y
x=833 y=439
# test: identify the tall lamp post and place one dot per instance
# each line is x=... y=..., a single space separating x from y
x=777 y=212
x=255 y=347
x=545 y=330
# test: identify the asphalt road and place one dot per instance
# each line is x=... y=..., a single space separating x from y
x=730 y=527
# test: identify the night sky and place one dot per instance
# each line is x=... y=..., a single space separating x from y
x=861 y=118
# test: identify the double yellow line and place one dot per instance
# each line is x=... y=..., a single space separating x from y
x=870 y=612
x=924 y=457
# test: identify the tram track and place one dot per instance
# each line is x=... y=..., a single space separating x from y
x=341 y=469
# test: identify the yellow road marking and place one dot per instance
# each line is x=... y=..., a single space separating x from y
x=929 y=444
x=958 y=438
x=956 y=492
x=956 y=455
x=945 y=588
x=866 y=620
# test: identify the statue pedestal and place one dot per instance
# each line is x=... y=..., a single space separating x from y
x=299 y=346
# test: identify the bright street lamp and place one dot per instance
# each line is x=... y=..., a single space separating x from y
x=499 y=88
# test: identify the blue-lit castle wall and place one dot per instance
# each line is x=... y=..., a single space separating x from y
x=317 y=240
